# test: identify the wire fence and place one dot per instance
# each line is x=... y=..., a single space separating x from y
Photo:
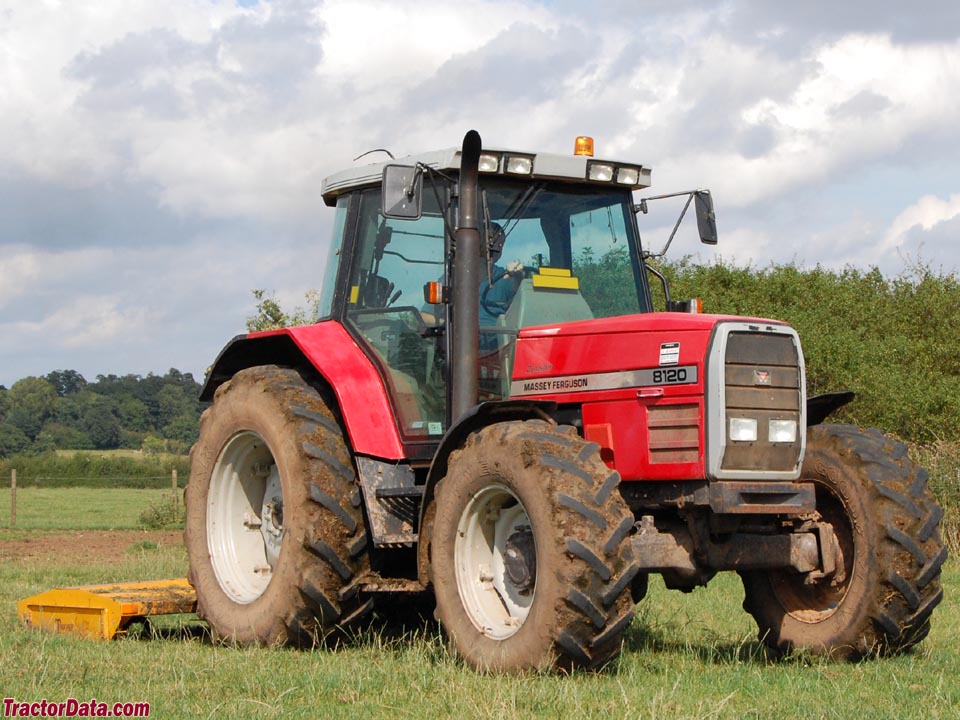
x=55 y=504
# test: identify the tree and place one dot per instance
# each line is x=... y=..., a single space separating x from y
x=66 y=437
x=102 y=425
x=184 y=428
x=32 y=402
x=4 y=403
x=66 y=382
x=12 y=440
x=270 y=316
x=134 y=414
x=173 y=402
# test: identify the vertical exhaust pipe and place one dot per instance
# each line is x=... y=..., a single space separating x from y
x=465 y=322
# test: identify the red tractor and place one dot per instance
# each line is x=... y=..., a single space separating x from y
x=525 y=443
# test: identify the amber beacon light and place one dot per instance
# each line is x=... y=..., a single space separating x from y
x=583 y=145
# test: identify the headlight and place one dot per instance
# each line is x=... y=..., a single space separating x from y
x=600 y=171
x=489 y=162
x=743 y=429
x=628 y=176
x=784 y=431
x=519 y=165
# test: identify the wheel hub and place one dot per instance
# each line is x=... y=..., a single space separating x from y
x=520 y=560
x=271 y=517
x=816 y=597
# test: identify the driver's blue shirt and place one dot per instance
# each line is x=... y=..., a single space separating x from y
x=494 y=302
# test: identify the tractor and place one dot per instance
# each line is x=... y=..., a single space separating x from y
x=520 y=443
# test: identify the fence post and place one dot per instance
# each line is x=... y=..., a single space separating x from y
x=13 y=498
x=176 y=494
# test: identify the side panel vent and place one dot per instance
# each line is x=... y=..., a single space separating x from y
x=674 y=433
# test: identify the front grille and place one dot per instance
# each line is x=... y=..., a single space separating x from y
x=754 y=373
x=762 y=381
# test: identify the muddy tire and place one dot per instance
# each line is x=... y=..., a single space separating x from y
x=531 y=559
x=886 y=524
x=274 y=528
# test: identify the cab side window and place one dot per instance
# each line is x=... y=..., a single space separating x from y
x=393 y=259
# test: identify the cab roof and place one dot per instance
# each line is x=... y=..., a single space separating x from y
x=571 y=168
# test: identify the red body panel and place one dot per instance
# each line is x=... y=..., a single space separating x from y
x=655 y=432
x=366 y=409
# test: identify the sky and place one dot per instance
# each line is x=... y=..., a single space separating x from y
x=160 y=160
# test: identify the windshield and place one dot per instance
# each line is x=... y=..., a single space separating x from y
x=586 y=232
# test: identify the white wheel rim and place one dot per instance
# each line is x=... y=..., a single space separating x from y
x=245 y=517
x=495 y=602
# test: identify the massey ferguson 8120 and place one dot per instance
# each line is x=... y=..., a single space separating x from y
x=525 y=440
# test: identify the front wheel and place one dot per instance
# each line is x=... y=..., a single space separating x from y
x=531 y=561
x=888 y=548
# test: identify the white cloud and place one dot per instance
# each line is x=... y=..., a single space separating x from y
x=94 y=321
x=25 y=272
x=865 y=99
x=191 y=137
x=38 y=43
x=925 y=214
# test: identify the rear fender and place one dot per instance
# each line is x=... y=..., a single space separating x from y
x=327 y=349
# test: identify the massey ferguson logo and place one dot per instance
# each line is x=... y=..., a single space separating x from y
x=761 y=377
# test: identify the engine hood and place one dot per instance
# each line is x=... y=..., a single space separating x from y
x=647 y=322
x=609 y=353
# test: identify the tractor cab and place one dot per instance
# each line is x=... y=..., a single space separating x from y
x=558 y=244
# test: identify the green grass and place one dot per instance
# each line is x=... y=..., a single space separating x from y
x=80 y=508
x=687 y=656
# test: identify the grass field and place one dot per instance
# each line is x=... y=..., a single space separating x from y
x=80 y=508
x=686 y=656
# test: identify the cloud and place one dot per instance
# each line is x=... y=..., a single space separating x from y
x=87 y=322
x=160 y=160
x=930 y=223
x=860 y=101
x=795 y=25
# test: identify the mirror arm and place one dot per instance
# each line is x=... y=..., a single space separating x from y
x=676 y=225
x=663 y=280
x=417 y=174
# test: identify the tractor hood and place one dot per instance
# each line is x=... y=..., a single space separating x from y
x=612 y=354
x=643 y=323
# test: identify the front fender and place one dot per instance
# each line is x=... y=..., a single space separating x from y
x=820 y=407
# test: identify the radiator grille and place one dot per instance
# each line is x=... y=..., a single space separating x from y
x=762 y=380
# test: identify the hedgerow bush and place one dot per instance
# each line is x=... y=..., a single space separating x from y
x=95 y=470
x=893 y=341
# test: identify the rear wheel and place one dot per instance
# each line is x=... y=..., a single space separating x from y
x=274 y=530
x=888 y=547
x=531 y=561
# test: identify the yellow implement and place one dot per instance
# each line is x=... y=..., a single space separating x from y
x=104 y=611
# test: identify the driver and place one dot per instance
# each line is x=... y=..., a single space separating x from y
x=495 y=298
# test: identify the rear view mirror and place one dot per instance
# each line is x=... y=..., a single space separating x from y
x=402 y=192
x=706 y=219
x=703 y=206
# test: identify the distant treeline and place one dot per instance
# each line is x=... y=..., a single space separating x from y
x=63 y=411
x=895 y=341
